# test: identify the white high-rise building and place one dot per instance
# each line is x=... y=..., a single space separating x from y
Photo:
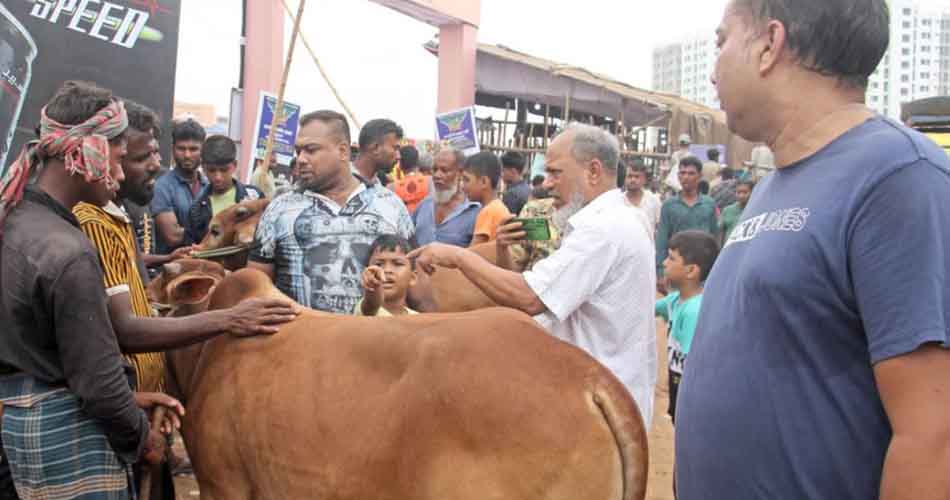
x=689 y=76
x=916 y=65
x=684 y=68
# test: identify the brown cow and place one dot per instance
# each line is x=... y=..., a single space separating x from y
x=234 y=228
x=482 y=405
x=453 y=292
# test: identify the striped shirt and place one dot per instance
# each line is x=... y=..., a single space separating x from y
x=111 y=233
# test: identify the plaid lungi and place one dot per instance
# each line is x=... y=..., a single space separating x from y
x=56 y=451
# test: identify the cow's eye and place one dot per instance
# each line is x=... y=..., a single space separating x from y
x=215 y=232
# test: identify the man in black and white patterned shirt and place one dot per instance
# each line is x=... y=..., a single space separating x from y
x=314 y=241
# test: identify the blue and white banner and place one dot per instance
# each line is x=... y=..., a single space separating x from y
x=458 y=129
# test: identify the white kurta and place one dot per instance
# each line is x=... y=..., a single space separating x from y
x=599 y=288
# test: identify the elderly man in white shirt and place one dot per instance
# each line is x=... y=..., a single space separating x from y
x=597 y=290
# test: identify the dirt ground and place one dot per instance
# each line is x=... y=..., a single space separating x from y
x=660 y=486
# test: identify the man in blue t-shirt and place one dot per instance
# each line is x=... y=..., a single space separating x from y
x=820 y=365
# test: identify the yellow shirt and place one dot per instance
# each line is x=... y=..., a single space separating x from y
x=222 y=202
x=111 y=233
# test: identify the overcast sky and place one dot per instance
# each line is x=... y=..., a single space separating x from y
x=375 y=58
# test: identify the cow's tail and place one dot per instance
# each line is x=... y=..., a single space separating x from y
x=625 y=423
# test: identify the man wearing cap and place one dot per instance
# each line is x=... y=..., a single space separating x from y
x=672 y=178
x=63 y=383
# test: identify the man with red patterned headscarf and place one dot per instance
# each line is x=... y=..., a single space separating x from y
x=63 y=383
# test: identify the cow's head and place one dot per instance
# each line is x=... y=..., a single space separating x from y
x=234 y=228
x=184 y=288
x=185 y=285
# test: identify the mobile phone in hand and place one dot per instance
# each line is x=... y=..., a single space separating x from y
x=537 y=229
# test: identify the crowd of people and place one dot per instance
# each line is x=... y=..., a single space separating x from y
x=807 y=315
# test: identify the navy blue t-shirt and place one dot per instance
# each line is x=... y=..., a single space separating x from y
x=840 y=261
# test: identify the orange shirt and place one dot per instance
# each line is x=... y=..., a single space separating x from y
x=490 y=217
x=412 y=189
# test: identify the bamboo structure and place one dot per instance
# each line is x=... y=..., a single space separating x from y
x=279 y=108
x=323 y=73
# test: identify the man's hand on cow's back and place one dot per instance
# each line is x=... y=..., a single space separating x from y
x=436 y=254
x=260 y=316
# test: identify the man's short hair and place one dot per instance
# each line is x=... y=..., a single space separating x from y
x=457 y=155
x=637 y=166
x=589 y=142
x=143 y=119
x=513 y=160
x=75 y=102
x=218 y=151
x=537 y=181
x=336 y=121
x=389 y=243
x=727 y=174
x=747 y=182
x=485 y=164
x=713 y=154
x=409 y=158
x=845 y=39
x=692 y=161
x=188 y=130
x=376 y=130
x=697 y=248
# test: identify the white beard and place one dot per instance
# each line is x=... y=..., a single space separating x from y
x=564 y=214
x=444 y=196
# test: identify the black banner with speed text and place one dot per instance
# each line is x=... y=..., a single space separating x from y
x=128 y=46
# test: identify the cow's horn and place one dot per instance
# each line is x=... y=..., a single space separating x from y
x=171 y=268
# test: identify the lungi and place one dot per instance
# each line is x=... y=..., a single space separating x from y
x=55 y=451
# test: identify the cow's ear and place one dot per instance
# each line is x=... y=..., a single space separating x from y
x=190 y=289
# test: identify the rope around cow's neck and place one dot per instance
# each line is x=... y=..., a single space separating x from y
x=223 y=251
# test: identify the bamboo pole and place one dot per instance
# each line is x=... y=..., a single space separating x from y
x=621 y=131
x=547 y=122
x=323 y=73
x=504 y=125
x=279 y=108
x=567 y=107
